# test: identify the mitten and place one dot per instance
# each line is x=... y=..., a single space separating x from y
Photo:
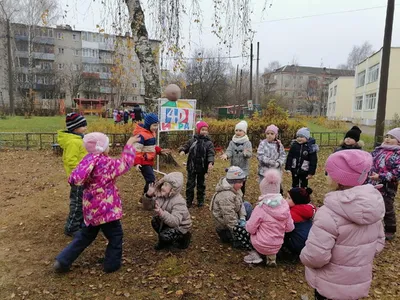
x=242 y=223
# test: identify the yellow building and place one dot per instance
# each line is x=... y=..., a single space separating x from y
x=340 y=98
x=365 y=96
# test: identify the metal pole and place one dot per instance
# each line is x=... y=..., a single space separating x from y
x=383 y=83
x=10 y=70
x=257 y=71
x=251 y=72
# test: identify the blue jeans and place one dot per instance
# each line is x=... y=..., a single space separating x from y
x=148 y=175
x=112 y=231
x=249 y=209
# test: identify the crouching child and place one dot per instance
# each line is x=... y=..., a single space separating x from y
x=172 y=221
x=227 y=206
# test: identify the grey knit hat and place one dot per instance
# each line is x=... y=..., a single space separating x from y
x=235 y=174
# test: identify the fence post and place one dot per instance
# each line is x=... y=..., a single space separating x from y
x=40 y=141
x=27 y=141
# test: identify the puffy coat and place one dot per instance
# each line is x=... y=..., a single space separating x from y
x=175 y=212
x=267 y=226
x=346 y=235
x=302 y=158
x=201 y=153
x=146 y=148
x=239 y=153
x=73 y=149
x=101 y=202
x=268 y=153
x=227 y=206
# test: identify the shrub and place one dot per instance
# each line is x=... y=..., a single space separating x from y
x=330 y=124
x=395 y=122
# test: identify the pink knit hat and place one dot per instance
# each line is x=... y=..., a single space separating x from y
x=272 y=128
x=200 y=125
x=395 y=132
x=349 y=167
x=96 y=142
x=271 y=183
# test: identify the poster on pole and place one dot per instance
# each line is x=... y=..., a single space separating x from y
x=177 y=115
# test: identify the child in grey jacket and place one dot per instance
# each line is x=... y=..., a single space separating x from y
x=270 y=153
x=240 y=150
x=172 y=221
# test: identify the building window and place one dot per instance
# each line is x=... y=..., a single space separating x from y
x=361 y=79
x=60 y=35
x=373 y=73
x=358 y=104
x=60 y=66
x=330 y=92
x=370 y=101
x=335 y=90
x=74 y=36
x=60 y=50
x=76 y=52
x=134 y=98
x=134 y=85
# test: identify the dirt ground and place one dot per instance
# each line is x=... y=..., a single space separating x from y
x=34 y=205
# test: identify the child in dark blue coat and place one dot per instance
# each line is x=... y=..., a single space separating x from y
x=302 y=212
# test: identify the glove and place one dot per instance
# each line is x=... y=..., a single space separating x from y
x=242 y=223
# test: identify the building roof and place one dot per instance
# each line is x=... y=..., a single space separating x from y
x=315 y=70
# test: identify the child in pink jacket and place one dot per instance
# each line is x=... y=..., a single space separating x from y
x=347 y=231
x=102 y=209
x=269 y=221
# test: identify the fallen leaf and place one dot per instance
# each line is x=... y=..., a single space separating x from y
x=179 y=293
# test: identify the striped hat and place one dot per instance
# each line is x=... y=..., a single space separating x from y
x=74 y=121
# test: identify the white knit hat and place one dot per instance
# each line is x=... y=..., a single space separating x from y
x=242 y=125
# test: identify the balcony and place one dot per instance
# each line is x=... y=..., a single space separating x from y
x=91 y=75
x=105 y=75
x=106 y=61
x=36 y=55
x=106 y=46
x=44 y=86
x=37 y=39
x=105 y=90
x=90 y=60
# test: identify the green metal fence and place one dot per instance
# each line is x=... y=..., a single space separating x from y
x=39 y=141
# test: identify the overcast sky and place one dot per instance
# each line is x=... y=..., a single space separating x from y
x=313 y=40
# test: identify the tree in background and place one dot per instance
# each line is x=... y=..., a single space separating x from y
x=357 y=55
x=207 y=80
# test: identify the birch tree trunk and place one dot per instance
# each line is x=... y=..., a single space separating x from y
x=145 y=54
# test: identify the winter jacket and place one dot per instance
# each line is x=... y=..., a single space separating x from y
x=346 y=235
x=356 y=146
x=97 y=173
x=175 y=213
x=302 y=215
x=146 y=148
x=239 y=153
x=201 y=153
x=268 y=154
x=302 y=158
x=73 y=149
x=267 y=225
x=386 y=163
x=227 y=206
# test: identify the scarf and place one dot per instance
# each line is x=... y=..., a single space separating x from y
x=240 y=140
x=389 y=147
x=271 y=200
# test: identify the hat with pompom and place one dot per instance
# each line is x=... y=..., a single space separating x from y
x=271 y=183
x=96 y=142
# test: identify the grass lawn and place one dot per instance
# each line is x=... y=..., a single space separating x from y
x=36 y=124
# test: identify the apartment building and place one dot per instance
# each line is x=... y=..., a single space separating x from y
x=365 y=100
x=340 y=98
x=51 y=64
x=302 y=85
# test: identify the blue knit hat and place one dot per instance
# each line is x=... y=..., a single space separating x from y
x=304 y=132
x=150 y=119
